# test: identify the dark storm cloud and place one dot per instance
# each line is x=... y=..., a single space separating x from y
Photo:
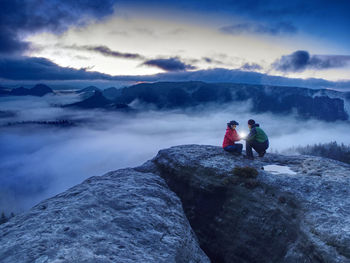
x=32 y=68
x=329 y=61
x=301 y=60
x=21 y=17
x=251 y=66
x=212 y=60
x=168 y=64
x=106 y=51
x=297 y=61
x=258 y=28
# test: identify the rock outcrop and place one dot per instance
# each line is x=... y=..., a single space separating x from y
x=298 y=214
x=123 y=216
x=301 y=217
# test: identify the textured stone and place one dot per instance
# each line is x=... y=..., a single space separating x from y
x=301 y=217
x=122 y=216
x=130 y=215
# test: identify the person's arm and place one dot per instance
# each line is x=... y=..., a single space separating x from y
x=235 y=136
x=251 y=135
x=227 y=138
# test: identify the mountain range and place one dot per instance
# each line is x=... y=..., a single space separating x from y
x=322 y=104
x=38 y=90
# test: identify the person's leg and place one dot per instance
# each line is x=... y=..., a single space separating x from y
x=229 y=148
x=260 y=147
x=239 y=148
x=248 y=149
x=233 y=148
x=266 y=146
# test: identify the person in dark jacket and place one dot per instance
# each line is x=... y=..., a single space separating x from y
x=230 y=138
x=256 y=139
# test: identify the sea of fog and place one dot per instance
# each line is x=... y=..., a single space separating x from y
x=39 y=161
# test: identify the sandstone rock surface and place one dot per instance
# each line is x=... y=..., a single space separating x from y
x=131 y=215
x=123 y=216
x=301 y=217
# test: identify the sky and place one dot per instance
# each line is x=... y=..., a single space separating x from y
x=109 y=39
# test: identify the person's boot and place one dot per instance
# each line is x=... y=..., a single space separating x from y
x=248 y=157
x=261 y=154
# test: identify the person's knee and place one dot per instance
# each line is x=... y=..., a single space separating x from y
x=228 y=148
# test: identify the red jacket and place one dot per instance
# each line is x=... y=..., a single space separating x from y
x=230 y=138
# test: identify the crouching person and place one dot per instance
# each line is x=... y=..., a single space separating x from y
x=257 y=140
x=230 y=138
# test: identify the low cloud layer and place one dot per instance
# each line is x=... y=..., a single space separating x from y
x=301 y=60
x=40 y=69
x=251 y=67
x=106 y=51
x=37 y=162
x=33 y=68
x=169 y=64
x=258 y=28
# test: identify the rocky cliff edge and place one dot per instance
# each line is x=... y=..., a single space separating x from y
x=190 y=199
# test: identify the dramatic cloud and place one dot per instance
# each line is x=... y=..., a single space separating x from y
x=297 y=61
x=19 y=18
x=251 y=67
x=243 y=76
x=255 y=28
x=212 y=60
x=106 y=51
x=301 y=60
x=32 y=68
x=168 y=64
x=208 y=60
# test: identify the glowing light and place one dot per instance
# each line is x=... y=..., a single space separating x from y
x=242 y=135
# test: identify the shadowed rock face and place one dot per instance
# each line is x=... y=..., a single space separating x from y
x=123 y=216
x=303 y=217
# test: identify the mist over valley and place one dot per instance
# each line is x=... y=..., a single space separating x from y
x=47 y=147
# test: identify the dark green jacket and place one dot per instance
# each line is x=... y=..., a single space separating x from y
x=257 y=134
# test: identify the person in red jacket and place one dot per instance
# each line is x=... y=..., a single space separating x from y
x=230 y=138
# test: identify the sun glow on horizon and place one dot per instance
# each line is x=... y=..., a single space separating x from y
x=152 y=37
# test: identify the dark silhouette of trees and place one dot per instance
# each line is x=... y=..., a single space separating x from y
x=4 y=218
x=332 y=150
